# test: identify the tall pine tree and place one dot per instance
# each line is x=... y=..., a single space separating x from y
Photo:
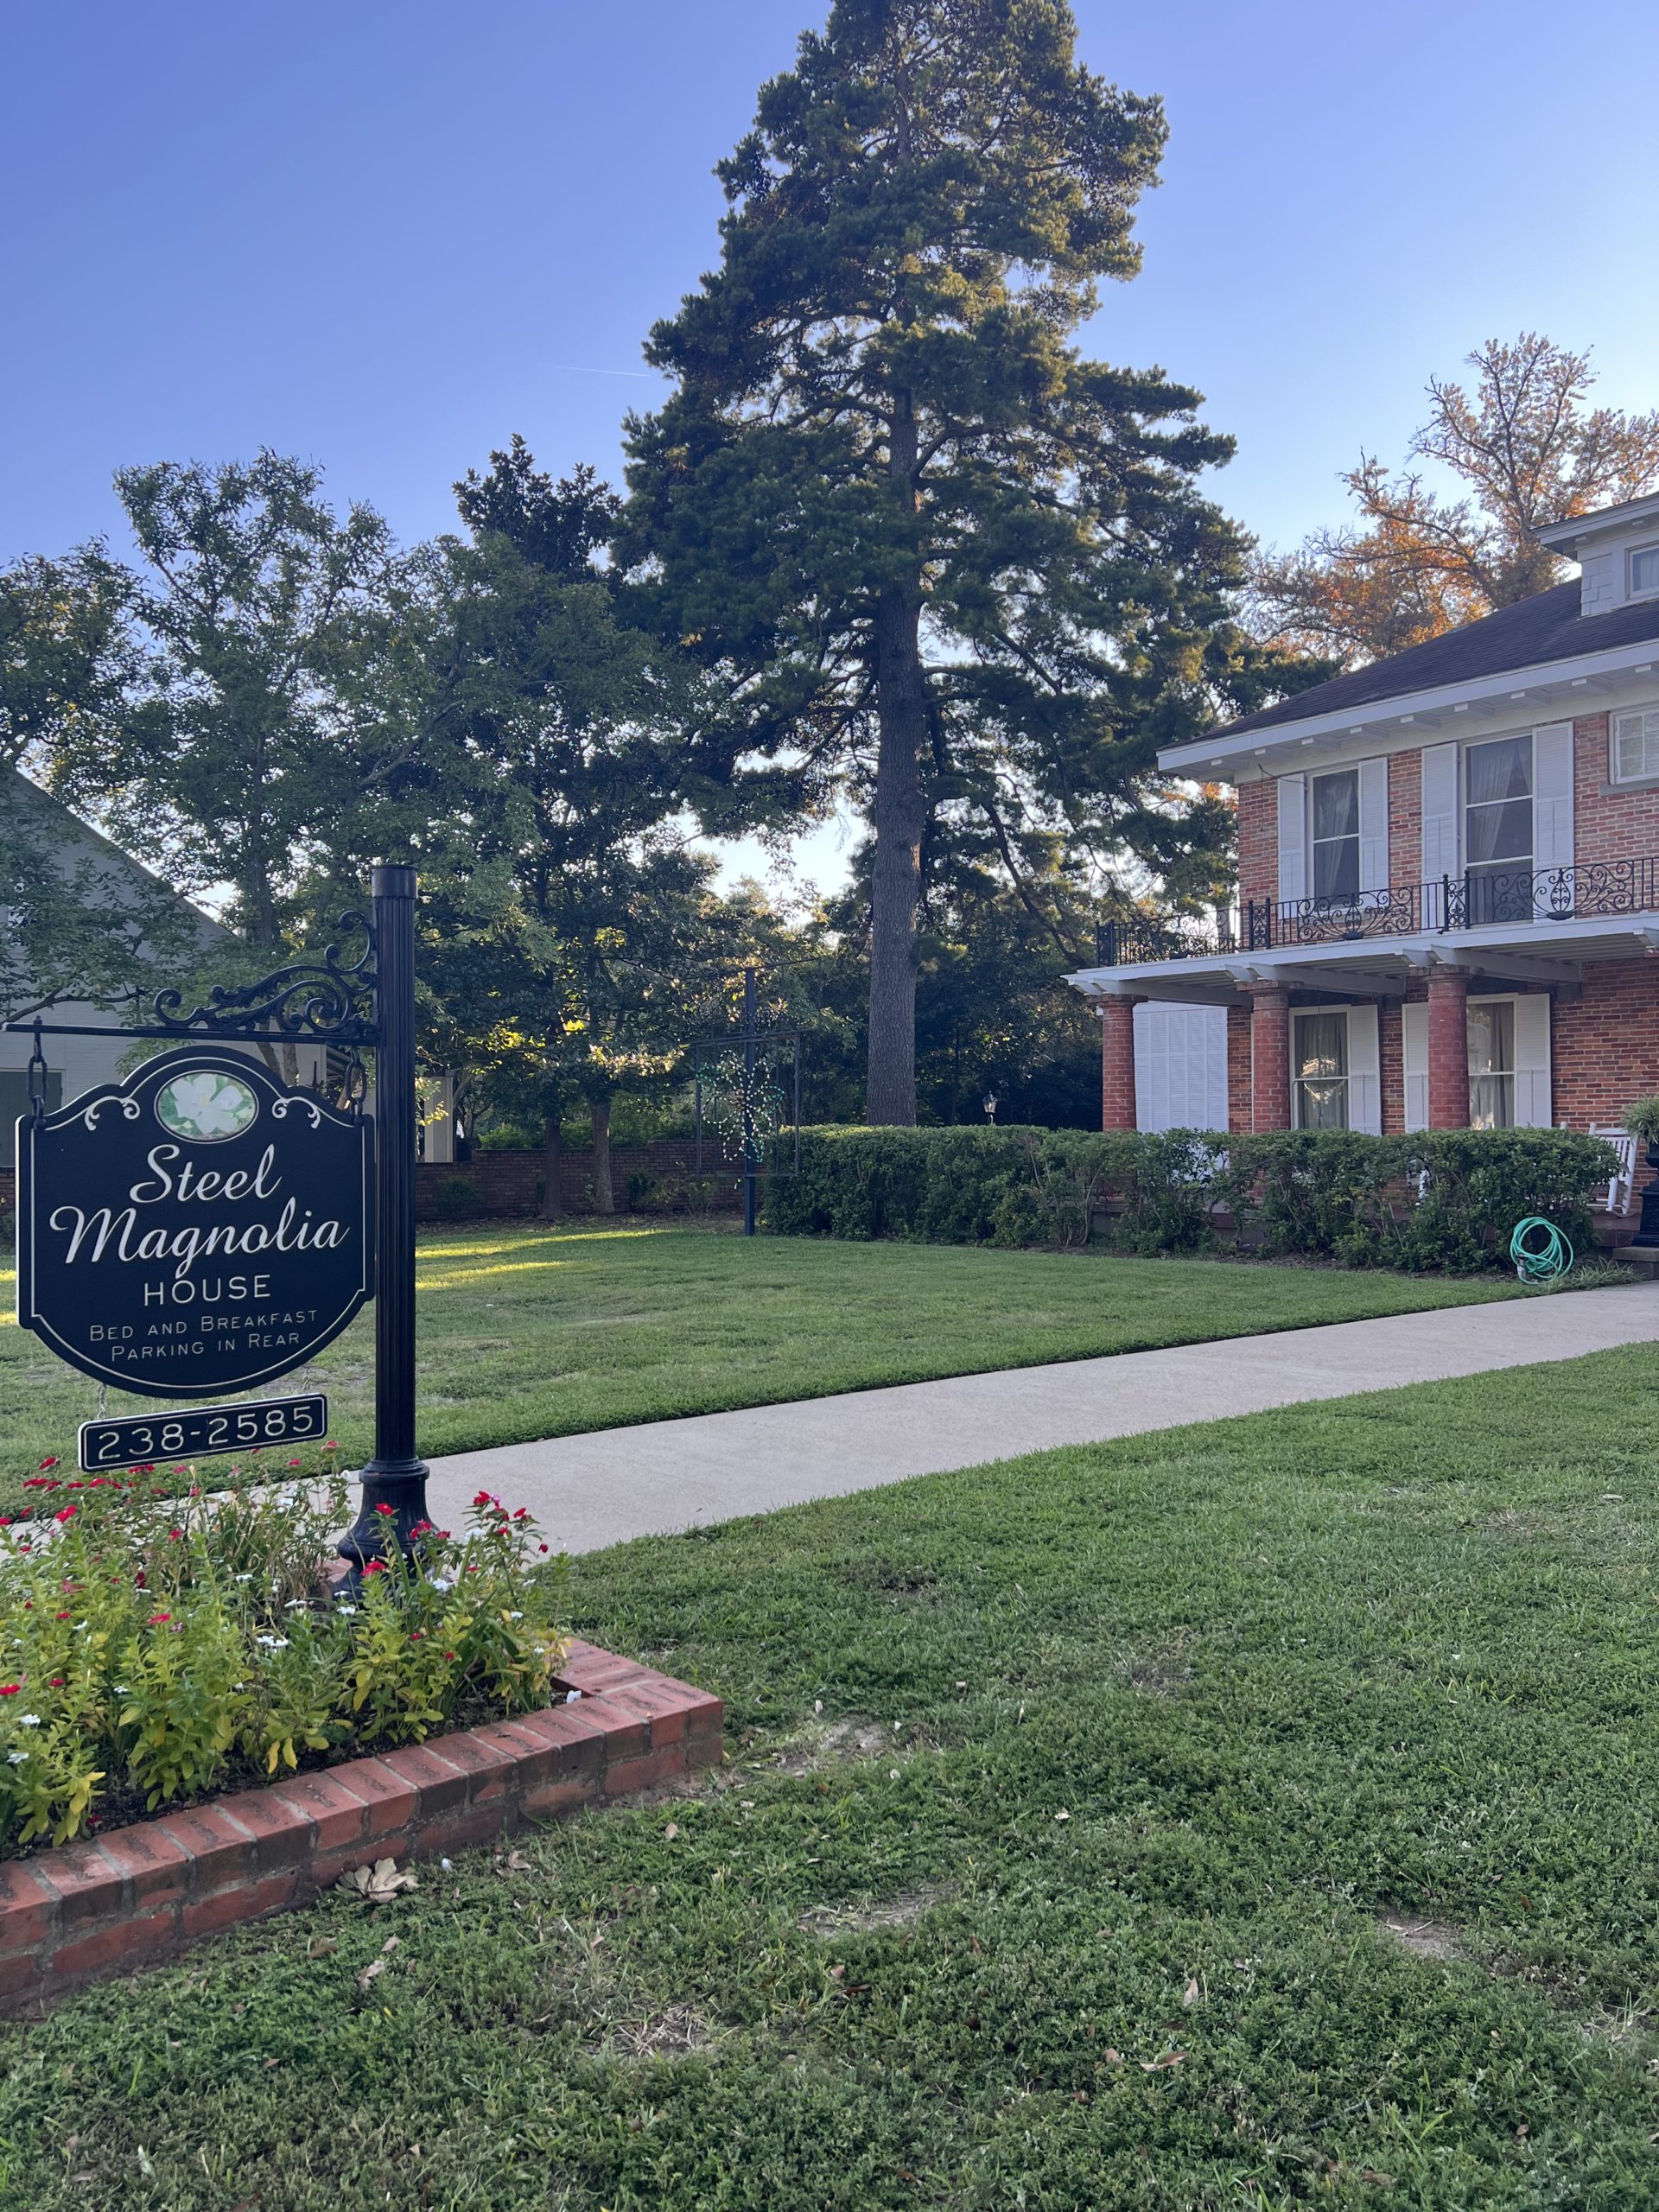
x=935 y=552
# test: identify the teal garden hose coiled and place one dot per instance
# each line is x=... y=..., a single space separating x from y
x=1538 y=1249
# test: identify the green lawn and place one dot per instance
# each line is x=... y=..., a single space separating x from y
x=527 y=1333
x=1067 y=1805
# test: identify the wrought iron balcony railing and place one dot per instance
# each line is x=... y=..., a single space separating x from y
x=1481 y=898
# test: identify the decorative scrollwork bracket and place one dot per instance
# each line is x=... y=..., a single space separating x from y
x=330 y=1001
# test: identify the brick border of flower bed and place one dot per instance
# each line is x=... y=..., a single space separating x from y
x=146 y=1892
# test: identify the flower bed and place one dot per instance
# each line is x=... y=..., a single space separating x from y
x=142 y=1893
x=155 y=1648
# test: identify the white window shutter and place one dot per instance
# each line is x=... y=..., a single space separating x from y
x=1533 y=1098
x=1440 y=827
x=1293 y=837
x=1180 y=1067
x=1364 y=1072
x=1373 y=824
x=1552 y=807
x=1413 y=1020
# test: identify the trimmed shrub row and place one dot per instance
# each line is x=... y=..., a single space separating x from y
x=1438 y=1199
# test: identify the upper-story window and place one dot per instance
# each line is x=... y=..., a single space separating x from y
x=1497 y=829
x=1336 y=835
x=1644 y=570
x=1636 y=744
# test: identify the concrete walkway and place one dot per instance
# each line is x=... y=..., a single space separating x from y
x=668 y=1475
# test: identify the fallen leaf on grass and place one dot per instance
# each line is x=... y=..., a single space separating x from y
x=670 y=1831
x=376 y=1885
x=514 y=1863
x=1190 y=1995
x=1112 y=2057
x=1157 y=2065
x=376 y=1965
x=321 y=1947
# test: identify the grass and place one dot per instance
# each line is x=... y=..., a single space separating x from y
x=1069 y=1801
x=526 y=1333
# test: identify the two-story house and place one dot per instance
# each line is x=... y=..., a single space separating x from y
x=1448 y=869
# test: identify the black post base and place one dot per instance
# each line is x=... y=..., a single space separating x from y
x=1649 y=1232
x=403 y=1487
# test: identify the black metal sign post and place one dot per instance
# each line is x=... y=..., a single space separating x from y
x=395 y=1477
x=274 y=1185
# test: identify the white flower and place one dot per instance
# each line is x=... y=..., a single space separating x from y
x=515 y=1617
x=28 y=1720
x=17 y=1757
x=211 y=1104
x=240 y=1578
x=273 y=1643
x=297 y=1606
x=348 y=1610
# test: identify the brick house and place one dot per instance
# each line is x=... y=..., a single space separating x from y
x=1448 y=867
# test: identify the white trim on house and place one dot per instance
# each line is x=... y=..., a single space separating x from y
x=1412 y=719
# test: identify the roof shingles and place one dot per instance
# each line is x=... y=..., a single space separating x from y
x=1547 y=627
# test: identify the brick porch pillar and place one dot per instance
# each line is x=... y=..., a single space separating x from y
x=1270 y=1058
x=1448 y=1048
x=1117 y=1063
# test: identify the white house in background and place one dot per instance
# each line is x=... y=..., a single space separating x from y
x=79 y=1064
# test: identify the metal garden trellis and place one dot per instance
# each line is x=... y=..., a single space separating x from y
x=742 y=1099
x=367 y=1004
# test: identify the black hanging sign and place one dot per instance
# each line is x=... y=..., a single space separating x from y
x=195 y=1230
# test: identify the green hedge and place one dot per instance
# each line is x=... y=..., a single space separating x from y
x=1444 y=1199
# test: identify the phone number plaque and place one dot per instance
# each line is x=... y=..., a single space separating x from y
x=200 y=1432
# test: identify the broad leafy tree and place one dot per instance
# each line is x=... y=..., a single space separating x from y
x=565 y=919
x=1525 y=447
x=932 y=549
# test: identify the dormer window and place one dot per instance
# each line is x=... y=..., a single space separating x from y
x=1645 y=571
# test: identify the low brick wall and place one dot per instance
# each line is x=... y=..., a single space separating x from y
x=147 y=1893
x=507 y=1186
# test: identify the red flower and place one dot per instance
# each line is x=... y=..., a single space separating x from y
x=293 y=1463
x=5 y=1520
x=541 y=1547
x=174 y=1535
x=415 y=1634
x=448 y=1654
x=45 y=1463
x=9 y=1690
x=331 y=1446
x=523 y=1514
x=63 y=1616
x=375 y=1566
x=67 y=1514
x=158 y=1620
x=147 y=1469
x=483 y=1498
x=56 y=1682
x=387 y=1510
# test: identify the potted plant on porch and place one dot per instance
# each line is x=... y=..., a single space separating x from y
x=1642 y=1120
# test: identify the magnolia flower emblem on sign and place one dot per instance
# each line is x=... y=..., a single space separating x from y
x=207 y=1106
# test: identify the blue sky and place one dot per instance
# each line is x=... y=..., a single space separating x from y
x=386 y=236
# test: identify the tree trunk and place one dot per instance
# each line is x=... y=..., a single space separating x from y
x=604 y=1197
x=552 y=1189
x=899 y=816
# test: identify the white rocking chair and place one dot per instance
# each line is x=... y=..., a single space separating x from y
x=1621 y=1188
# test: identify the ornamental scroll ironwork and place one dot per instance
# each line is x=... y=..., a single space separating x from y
x=327 y=1001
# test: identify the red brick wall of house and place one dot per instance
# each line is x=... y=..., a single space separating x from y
x=1605 y=1045
x=1390 y=1039
x=1405 y=817
x=1117 y=1063
x=1608 y=824
x=1239 y=1115
x=1258 y=841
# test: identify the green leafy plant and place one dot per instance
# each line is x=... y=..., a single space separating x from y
x=1642 y=1118
x=1441 y=1199
x=154 y=1648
